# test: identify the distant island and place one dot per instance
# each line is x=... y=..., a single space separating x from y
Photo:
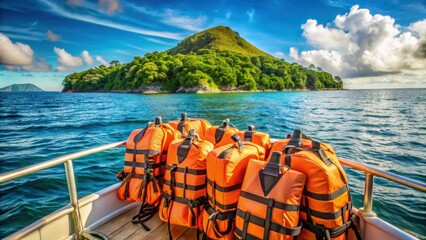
x=214 y=60
x=27 y=87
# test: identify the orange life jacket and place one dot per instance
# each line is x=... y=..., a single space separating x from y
x=221 y=135
x=268 y=207
x=185 y=124
x=184 y=189
x=259 y=138
x=226 y=167
x=326 y=210
x=144 y=166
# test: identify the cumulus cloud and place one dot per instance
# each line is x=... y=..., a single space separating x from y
x=360 y=44
x=279 y=54
x=39 y=65
x=14 y=53
x=67 y=59
x=250 y=14
x=62 y=69
x=174 y=18
x=86 y=57
x=110 y=6
x=53 y=37
x=102 y=61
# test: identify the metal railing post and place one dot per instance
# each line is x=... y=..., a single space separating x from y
x=367 y=210
x=72 y=189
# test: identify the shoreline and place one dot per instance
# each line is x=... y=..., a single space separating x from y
x=212 y=92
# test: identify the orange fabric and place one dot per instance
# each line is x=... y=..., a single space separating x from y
x=200 y=125
x=156 y=140
x=288 y=190
x=320 y=179
x=224 y=173
x=180 y=213
x=226 y=138
x=259 y=138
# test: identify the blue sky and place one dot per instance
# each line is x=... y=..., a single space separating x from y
x=371 y=44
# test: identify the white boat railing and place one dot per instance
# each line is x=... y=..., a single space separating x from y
x=370 y=172
x=69 y=172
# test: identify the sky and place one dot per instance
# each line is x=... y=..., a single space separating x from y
x=370 y=44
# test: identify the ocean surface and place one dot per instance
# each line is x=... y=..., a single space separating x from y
x=383 y=128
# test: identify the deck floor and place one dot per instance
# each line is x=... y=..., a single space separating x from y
x=122 y=228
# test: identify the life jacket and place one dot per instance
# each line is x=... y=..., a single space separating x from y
x=185 y=124
x=268 y=207
x=184 y=189
x=221 y=135
x=326 y=210
x=226 y=167
x=144 y=166
x=259 y=138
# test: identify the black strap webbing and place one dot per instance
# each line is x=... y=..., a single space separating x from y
x=225 y=152
x=248 y=136
x=280 y=205
x=190 y=171
x=327 y=197
x=218 y=135
x=273 y=226
x=223 y=206
x=189 y=187
x=224 y=189
x=183 y=149
x=144 y=151
x=325 y=215
x=144 y=164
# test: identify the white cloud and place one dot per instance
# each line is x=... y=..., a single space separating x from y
x=279 y=54
x=52 y=36
x=56 y=9
x=110 y=6
x=250 y=14
x=174 y=18
x=159 y=41
x=67 y=59
x=361 y=44
x=39 y=65
x=228 y=15
x=62 y=69
x=86 y=57
x=14 y=53
x=102 y=61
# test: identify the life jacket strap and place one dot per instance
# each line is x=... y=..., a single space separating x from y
x=222 y=216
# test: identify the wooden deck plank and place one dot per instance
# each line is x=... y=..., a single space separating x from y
x=121 y=227
x=189 y=235
x=127 y=230
x=118 y=222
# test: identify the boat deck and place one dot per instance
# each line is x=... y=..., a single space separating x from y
x=122 y=228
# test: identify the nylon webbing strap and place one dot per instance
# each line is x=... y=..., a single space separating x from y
x=224 y=189
x=248 y=136
x=280 y=205
x=190 y=171
x=223 y=206
x=183 y=149
x=261 y=222
x=218 y=135
x=225 y=152
x=189 y=187
x=319 y=230
x=327 y=197
x=144 y=164
x=144 y=152
x=325 y=215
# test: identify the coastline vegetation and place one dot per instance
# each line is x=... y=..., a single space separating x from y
x=212 y=60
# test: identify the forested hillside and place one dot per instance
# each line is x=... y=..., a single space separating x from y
x=216 y=61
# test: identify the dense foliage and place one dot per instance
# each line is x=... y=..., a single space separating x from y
x=213 y=69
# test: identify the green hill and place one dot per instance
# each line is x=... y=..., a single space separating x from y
x=217 y=59
x=28 y=87
x=219 y=38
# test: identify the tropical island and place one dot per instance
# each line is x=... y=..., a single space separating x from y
x=26 y=87
x=214 y=60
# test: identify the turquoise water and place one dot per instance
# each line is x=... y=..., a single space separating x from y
x=383 y=128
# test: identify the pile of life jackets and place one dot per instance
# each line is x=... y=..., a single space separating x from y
x=232 y=184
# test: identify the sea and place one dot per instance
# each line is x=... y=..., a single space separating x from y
x=385 y=129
